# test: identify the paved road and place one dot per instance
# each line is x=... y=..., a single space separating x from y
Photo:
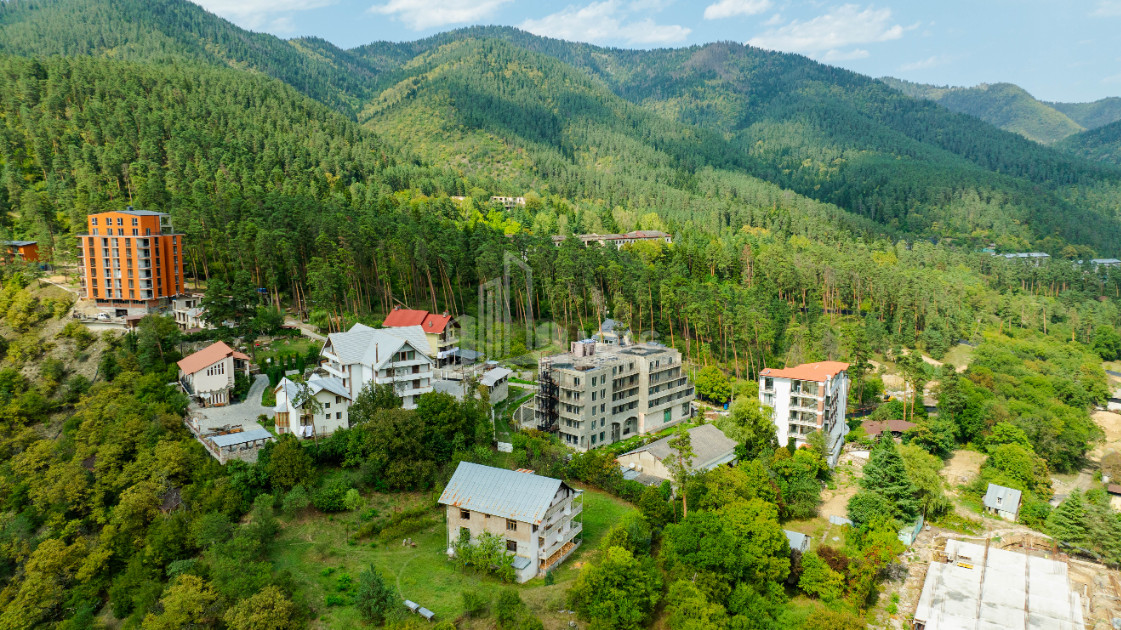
x=243 y=413
x=306 y=329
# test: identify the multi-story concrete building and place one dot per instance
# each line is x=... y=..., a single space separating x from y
x=132 y=261
x=381 y=355
x=807 y=398
x=619 y=240
x=598 y=394
x=537 y=516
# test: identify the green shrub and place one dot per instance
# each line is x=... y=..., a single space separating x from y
x=476 y=603
x=332 y=496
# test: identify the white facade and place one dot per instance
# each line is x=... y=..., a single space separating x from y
x=334 y=413
x=387 y=355
x=807 y=398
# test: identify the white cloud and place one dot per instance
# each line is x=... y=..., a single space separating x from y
x=774 y=20
x=845 y=55
x=731 y=8
x=930 y=62
x=271 y=15
x=831 y=35
x=1112 y=79
x=421 y=14
x=606 y=21
x=1108 y=8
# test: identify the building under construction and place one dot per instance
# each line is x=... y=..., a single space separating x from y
x=598 y=394
x=984 y=588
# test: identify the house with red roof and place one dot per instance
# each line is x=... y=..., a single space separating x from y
x=440 y=330
x=208 y=375
x=807 y=398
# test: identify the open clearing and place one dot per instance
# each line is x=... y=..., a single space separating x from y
x=314 y=548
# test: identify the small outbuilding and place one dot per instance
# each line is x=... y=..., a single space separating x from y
x=798 y=541
x=875 y=428
x=1004 y=502
x=711 y=448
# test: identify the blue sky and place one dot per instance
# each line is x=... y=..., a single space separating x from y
x=1057 y=50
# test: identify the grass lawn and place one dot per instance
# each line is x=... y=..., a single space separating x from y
x=960 y=355
x=290 y=345
x=314 y=549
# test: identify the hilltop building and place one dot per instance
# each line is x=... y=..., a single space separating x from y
x=619 y=240
x=536 y=515
x=1002 y=501
x=599 y=394
x=208 y=375
x=381 y=355
x=807 y=398
x=27 y=251
x=131 y=261
x=508 y=202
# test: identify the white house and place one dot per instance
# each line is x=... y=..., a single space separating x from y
x=208 y=375
x=292 y=416
x=807 y=398
x=1002 y=501
x=381 y=355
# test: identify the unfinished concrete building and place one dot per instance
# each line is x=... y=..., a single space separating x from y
x=984 y=588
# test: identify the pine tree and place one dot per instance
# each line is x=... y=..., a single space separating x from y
x=886 y=474
x=1068 y=521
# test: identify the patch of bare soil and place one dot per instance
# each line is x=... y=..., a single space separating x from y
x=962 y=468
x=1110 y=423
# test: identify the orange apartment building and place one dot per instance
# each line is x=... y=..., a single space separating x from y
x=132 y=261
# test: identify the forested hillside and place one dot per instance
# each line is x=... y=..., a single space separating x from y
x=175 y=30
x=828 y=134
x=1005 y=105
x=1103 y=144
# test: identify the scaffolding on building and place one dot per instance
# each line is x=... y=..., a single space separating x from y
x=545 y=401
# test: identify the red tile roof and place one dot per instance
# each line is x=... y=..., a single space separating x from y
x=872 y=428
x=819 y=372
x=208 y=356
x=430 y=322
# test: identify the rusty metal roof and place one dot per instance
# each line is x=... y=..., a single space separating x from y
x=518 y=496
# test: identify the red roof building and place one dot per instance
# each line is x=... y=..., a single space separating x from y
x=808 y=398
x=208 y=375
x=439 y=329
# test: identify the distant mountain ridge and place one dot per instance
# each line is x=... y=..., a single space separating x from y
x=1012 y=108
x=645 y=130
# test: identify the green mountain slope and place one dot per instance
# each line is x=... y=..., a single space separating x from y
x=1092 y=115
x=1005 y=105
x=823 y=132
x=1103 y=144
x=176 y=30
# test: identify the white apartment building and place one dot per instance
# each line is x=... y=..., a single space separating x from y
x=380 y=355
x=599 y=394
x=807 y=398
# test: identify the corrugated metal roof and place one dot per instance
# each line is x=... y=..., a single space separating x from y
x=375 y=346
x=1001 y=498
x=499 y=492
x=231 y=439
x=797 y=540
x=711 y=447
x=490 y=377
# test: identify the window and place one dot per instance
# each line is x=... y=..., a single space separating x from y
x=95 y=231
x=326 y=405
x=593 y=439
x=512 y=545
x=338 y=415
x=135 y=232
x=465 y=514
x=511 y=525
x=338 y=399
x=601 y=436
x=93 y=221
x=667 y=415
x=134 y=221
